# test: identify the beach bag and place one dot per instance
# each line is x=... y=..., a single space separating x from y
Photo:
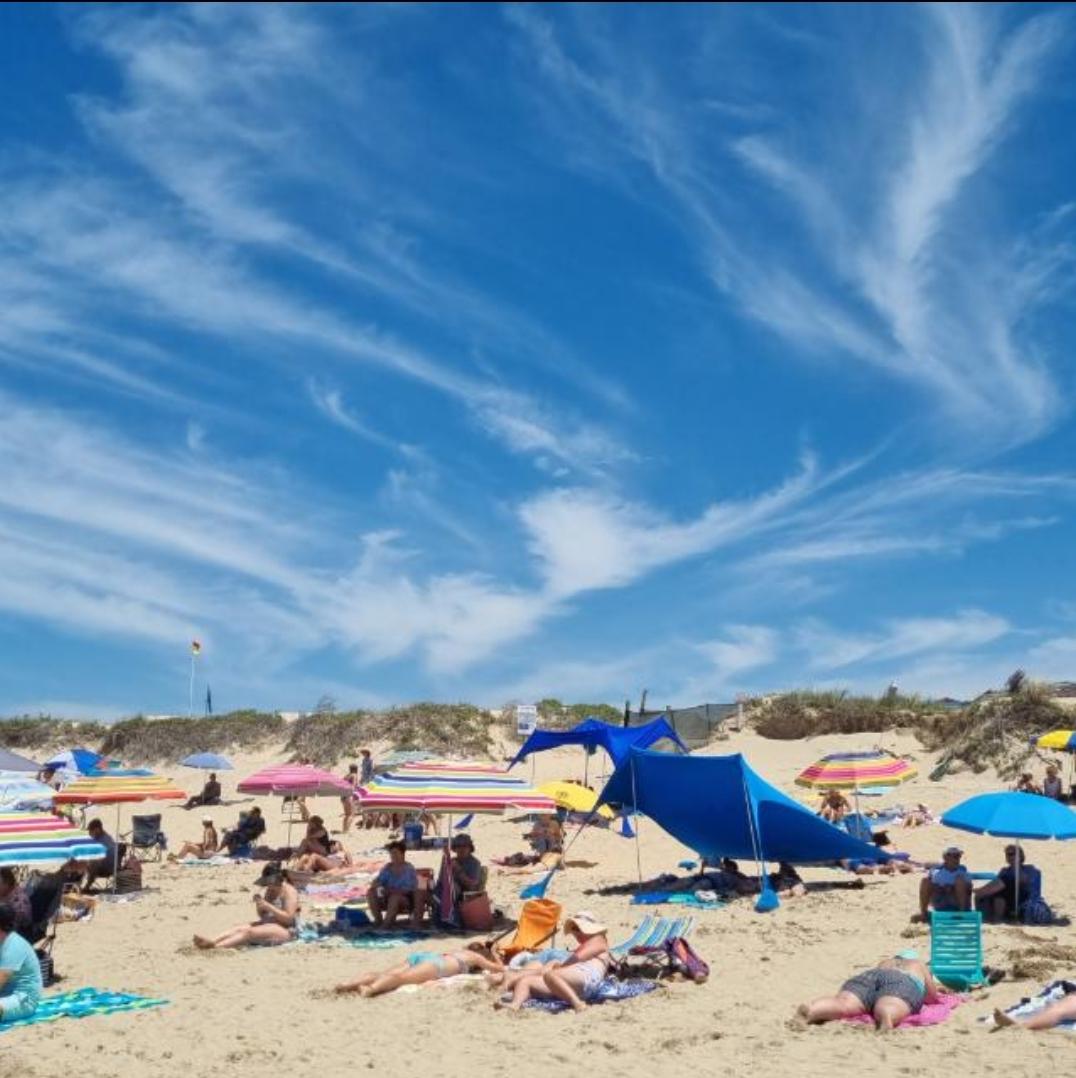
x=686 y=960
x=1036 y=911
x=476 y=913
x=129 y=877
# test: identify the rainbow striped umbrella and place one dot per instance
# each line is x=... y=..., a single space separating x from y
x=451 y=787
x=294 y=780
x=118 y=787
x=38 y=838
x=854 y=770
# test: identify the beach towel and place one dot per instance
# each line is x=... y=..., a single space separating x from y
x=932 y=1014
x=367 y=940
x=1054 y=991
x=211 y=862
x=679 y=898
x=332 y=897
x=83 y=1003
x=611 y=990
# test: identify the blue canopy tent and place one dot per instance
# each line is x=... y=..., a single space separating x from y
x=595 y=734
x=719 y=807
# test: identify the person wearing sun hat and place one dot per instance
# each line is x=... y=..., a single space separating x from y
x=277 y=910
x=578 y=979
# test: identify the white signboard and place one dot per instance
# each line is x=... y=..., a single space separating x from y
x=526 y=719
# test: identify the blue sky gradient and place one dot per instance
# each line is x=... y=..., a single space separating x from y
x=486 y=353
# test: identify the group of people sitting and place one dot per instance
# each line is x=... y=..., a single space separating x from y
x=1014 y=893
x=1051 y=786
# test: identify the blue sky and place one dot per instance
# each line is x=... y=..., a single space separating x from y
x=494 y=352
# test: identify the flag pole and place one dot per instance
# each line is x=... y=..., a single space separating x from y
x=190 y=701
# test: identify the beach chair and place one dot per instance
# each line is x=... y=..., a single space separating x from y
x=956 y=948
x=537 y=926
x=46 y=897
x=652 y=932
x=146 y=839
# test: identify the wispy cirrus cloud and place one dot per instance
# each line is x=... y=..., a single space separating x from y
x=915 y=282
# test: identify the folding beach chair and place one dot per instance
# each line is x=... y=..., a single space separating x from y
x=652 y=932
x=46 y=897
x=956 y=948
x=146 y=839
x=537 y=925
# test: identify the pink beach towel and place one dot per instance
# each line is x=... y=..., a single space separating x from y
x=932 y=1014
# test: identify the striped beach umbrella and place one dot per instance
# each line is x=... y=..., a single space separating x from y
x=451 y=787
x=1060 y=740
x=855 y=770
x=37 y=838
x=118 y=787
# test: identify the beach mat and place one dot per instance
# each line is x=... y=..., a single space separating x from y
x=932 y=1014
x=610 y=991
x=1054 y=991
x=82 y=1003
x=680 y=898
x=366 y=941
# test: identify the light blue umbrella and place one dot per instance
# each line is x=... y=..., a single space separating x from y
x=12 y=761
x=19 y=791
x=208 y=761
x=1013 y=815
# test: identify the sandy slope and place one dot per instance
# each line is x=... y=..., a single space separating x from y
x=244 y=1014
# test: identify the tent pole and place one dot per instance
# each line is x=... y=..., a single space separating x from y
x=635 y=812
x=586 y=766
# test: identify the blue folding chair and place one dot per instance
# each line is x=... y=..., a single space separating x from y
x=956 y=948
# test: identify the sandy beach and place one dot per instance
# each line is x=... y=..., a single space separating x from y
x=240 y=1013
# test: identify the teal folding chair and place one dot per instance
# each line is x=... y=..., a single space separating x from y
x=653 y=932
x=956 y=948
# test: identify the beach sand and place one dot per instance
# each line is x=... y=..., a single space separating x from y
x=265 y=1010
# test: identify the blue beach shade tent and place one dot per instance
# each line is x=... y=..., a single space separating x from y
x=719 y=807
x=594 y=734
x=81 y=761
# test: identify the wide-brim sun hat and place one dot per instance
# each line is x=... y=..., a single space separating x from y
x=586 y=923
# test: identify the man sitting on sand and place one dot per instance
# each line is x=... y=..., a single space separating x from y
x=834 y=806
x=998 y=899
x=210 y=794
x=103 y=868
x=396 y=890
x=947 y=887
x=250 y=828
x=20 y=971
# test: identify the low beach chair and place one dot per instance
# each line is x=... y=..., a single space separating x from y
x=956 y=948
x=653 y=932
x=537 y=926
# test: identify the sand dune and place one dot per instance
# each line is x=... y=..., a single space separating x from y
x=246 y=1014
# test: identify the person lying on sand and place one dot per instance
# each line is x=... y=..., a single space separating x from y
x=425 y=966
x=546 y=840
x=1064 y=1010
x=786 y=881
x=577 y=979
x=318 y=852
x=920 y=816
x=725 y=878
x=894 y=989
x=277 y=910
x=202 y=850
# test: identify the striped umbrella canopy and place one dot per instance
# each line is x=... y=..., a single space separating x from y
x=116 y=787
x=37 y=838
x=854 y=770
x=452 y=787
x=18 y=790
x=1061 y=740
x=294 y=780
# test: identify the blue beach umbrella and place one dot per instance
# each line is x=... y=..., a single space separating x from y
x=208 y=761
x=1013 y=815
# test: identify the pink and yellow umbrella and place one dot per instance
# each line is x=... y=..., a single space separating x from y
x=857 y=770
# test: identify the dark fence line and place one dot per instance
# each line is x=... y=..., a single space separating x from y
x=695 y=725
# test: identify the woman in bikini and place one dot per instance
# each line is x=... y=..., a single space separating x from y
x=896 y=988
x=425 y=966
x=578 y=978
x=202 y=850
x=278 y=915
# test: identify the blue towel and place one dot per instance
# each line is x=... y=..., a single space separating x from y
x=1054 y=991
x=83 y=1003
x=679 y=898
x=610 y=991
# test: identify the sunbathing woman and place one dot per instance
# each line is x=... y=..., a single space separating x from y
x=577 y=979
x=889 y=993
x=278 y=915
x=1064 y=1010
x=318 y=852
x=425 y=966
x=202 y=850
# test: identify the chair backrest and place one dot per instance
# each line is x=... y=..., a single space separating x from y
x=652 y=932
x=144 y=830
x=538 y=920
x=956 y=948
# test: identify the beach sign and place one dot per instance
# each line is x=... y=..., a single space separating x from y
x=526 y=719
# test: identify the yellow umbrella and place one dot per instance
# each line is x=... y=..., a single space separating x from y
x=1063 y=740
x=575 y=798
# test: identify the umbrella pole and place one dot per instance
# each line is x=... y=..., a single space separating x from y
x=116 y=853
x=1019 y=861
x=586 y=766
